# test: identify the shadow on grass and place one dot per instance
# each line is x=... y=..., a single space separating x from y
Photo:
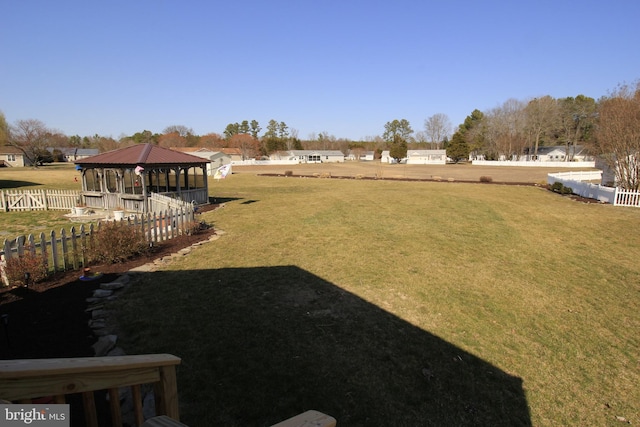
x=259 y=345
x=8 y=184
x=219 y=200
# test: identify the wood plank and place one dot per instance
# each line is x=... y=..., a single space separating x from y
x=76 y=383
x=90 y=412
x=308 y=419
x=162 y=421
x=166 y=393
x=136 y=395
x=114 y=405
x=38 y=367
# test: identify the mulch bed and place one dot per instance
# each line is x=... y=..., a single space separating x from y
x=48 y=319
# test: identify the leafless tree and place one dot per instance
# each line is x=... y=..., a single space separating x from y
x=181 y=130
x=618 y=134
x=542 y=118
x=421 y=137
x=505 y=135
x=290 y=141
x=4 y=129
x=437 y=128
x=32 y=138
x=577 y=116
x=248 y=145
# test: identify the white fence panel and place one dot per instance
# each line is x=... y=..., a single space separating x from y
x=627 y=198
x=575 y=180
x=533 y=164
x=32 y=200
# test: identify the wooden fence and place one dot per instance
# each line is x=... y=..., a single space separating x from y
x=67 y=250
x=38 y=200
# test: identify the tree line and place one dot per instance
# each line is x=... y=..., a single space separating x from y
x=608 y=127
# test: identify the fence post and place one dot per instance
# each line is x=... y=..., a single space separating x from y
x=74 y=249
x=54 y=251
x=7 y=249
x=45 y=201
x=31 y=246
x=43 y=251
x=65 y=251
x=20 y=245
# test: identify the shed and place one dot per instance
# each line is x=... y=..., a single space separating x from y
x=127 y=177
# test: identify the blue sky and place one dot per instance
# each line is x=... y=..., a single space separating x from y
x=345 y=67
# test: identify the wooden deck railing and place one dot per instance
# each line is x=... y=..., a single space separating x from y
x=23 y=380
x=27 y=379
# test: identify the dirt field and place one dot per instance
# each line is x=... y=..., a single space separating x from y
x=456 y=172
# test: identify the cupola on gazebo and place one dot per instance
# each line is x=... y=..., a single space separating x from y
x=126 y=178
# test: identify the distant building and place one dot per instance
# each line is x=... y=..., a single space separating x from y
x=10 y=156
x=559 y=153
x=426 y=157
x=310 y=156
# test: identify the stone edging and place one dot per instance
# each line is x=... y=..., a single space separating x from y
x=106 y=344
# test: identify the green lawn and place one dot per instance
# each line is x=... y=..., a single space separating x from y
x=399 y=303
x=59 y=176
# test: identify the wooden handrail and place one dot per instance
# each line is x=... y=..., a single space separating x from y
x=25 y=379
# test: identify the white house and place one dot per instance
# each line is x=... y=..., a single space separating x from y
x=73 y=154
x=360 y=155
x=216 y=158
x=12 y=157
x=559 y=153
x=385 y=157
x=426 y=157
x=312 y=156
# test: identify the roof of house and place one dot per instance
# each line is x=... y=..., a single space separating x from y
x=317 y=152
x=232 y=151
x=142 y=154
x=77 y=151
x=425 y=152
x=547 y=149
x=189 y=149
x=9 y=149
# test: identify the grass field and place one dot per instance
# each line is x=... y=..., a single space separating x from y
x=59 y=176
x=399 y=303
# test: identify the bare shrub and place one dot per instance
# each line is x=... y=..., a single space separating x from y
x=25 y=269
x=485 y=178
x=117 y=242
x=195 y=227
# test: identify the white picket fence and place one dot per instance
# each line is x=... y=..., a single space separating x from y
x=65 y=251
x=577 y=181
x=38 y=200
x=627 y=198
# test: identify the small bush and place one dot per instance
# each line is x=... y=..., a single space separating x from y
x=16 y=267
x=486 y=179
x=116 y=242
x=560 y=188
x=195 y=227
x=288 y=173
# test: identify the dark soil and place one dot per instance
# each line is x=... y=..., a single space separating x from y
x=48 y=319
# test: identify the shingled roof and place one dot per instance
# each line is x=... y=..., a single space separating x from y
x=142 y=154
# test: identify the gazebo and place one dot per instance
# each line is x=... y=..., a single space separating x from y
x=128 y=177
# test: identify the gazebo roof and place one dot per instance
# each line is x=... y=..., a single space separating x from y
x=141 y=154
